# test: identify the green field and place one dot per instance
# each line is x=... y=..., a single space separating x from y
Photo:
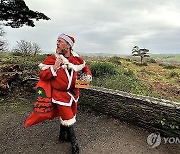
x=155 y=78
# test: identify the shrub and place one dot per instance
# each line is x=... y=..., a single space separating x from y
x=101 y=69
x=115 y=60
x=144 y=71
x=16 y=53
x=129 y=73
x=144 y=64
x=139 y=64
x=167 y=66
x=122 y=82
x=129 y=60
x=9 y=60
x=174 y=74
x=152 y=60
x=39 y=58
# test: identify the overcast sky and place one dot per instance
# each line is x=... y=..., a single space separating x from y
x=104 y=26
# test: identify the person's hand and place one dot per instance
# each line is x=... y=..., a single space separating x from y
x=57 y=64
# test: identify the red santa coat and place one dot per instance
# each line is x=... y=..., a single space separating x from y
x=63 y=81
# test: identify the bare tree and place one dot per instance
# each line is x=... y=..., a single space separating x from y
x=3 y=43
x=26 y=48
x=35 y=48
x=23 y=47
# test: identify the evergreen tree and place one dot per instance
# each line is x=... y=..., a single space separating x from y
x=136 y=51
x=15 y=13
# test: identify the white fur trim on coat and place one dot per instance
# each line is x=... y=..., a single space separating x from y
x=68 y=122
x=66 y=64
x=53 y=72
x=69 y=65
x=63 y=103
x=44 y=66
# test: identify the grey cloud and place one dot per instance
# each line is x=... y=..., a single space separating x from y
x=163 y=40
x=106 y=26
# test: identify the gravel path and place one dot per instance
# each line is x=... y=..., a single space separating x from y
x=97 y=134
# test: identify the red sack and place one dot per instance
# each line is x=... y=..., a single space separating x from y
x=43 y=107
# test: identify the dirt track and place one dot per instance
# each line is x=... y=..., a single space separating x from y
x=96 y=134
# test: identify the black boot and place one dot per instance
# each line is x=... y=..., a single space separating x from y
x=63 y=136
x=72 y=138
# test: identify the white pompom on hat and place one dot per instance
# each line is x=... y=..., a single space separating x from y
x=68 y=38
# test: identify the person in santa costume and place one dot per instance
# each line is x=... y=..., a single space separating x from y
x=62 y=69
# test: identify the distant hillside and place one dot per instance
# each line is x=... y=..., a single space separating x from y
x=170 y=58
x=166 y=58
x=99 y=54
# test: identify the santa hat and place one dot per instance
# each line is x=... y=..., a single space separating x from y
x=68 y=38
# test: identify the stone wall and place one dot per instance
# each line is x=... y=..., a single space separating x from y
x=151 y=113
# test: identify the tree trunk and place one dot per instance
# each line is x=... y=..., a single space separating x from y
x=141 y=60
